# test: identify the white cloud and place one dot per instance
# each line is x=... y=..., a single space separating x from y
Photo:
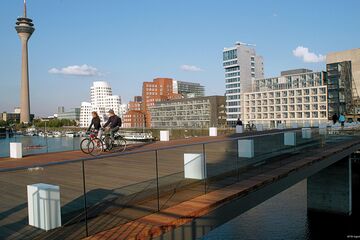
x=275 y=14
x=76 y=70
x=190 y=68
x=307 y=56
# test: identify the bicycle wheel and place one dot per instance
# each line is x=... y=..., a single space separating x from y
x=120 y=144
x=96 y=147
x=108 y=143
x=84 y=145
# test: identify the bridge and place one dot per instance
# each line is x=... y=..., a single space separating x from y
x=180 y=189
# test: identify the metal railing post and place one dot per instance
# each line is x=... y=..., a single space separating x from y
x=157 y=180
x=85 y=199
x=204 y=166
x=237 y=159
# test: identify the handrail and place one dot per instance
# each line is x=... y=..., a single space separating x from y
x=144 y=151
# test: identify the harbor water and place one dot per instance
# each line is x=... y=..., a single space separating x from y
x=285 y=216
x=37 y=144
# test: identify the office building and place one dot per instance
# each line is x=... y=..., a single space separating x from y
x=72 y=114
x=353 y=56
x=339 y=58
x=138 y=99
x=160 y=89
x=123 y=109
x=102 y=101
x=188 y=89
x=287 y=99
x=134 y=119
x=241 y=65
x=200 y=112
x=61 y=109
x=340 y=94
x=85 y=114
x=14 y=117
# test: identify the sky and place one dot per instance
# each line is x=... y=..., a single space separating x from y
x=128 y=42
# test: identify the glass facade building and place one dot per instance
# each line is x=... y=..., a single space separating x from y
x=241 y=66
x=339 y=82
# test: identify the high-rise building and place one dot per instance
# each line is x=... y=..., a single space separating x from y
x=242 y=66
x=353 y=56
x=102 y=101
x=340 y=89
x=24 y=28
x=188 y=89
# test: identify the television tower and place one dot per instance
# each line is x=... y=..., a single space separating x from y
x=24 y=27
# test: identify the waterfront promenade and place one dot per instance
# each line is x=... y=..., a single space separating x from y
x=44 y=158
x=143 y=193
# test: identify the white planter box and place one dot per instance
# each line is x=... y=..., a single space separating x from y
x=15 y=150
x=246 y=148
x=194 y=166
x=239 y=129
x=306 y=132
x=290 y=139
x=164 y=136
x=213 y=132
x=44 y=207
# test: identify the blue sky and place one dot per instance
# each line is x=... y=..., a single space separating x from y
x=128 y=42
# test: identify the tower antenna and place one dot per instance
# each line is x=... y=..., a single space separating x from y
x=25 y=8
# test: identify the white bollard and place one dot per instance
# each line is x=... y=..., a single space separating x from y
x=194 y=166
x=44 y=207
x=259 y=127
x=164 y=136
x=290 y=139
x=306 y=132
x=213 y=132
x=239 y=128
x=246 y=148
x=16 y=150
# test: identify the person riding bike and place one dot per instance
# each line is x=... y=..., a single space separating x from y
x=95 y=121
x=113 y=124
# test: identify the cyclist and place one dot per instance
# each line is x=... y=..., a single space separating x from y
x=95 y=121
x=113 y=124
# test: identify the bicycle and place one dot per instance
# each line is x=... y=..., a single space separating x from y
x=118 y=144
x=94 y=146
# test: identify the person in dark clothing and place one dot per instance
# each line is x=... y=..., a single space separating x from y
x=239 y=122
x=113 y=123
x=335 y=118
x=95 y=121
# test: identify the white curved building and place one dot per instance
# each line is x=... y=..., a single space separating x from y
x=102 y=101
